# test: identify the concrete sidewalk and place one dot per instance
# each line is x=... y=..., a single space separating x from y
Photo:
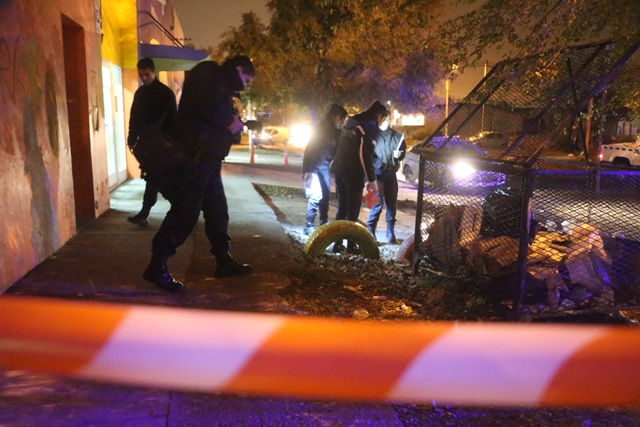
x=104 y=262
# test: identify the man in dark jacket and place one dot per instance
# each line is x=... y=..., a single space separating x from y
x=153 y=102
x=353 y=162
x=389 y=150
x=315 y=165
x=207 y=124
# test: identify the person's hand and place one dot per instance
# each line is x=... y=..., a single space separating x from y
x=397 y=154
x=236 y=125
x=372 y=186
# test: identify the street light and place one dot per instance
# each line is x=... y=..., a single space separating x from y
x=446 y=97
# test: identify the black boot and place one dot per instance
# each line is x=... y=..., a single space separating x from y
x=158 y=273
x=227 y=267
x=391 y=236
x=308 y=229
x=139 y=219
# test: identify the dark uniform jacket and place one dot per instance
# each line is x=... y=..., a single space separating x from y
x=387 y=141
x=152 y=103
x=322 y=147
x=354 y=156
x=206 y=109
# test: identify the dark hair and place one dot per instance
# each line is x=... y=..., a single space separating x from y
x=337 y=110
x=372 y=112
x=242 y=61
x=145 y=63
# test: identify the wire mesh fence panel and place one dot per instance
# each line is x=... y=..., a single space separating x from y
x=586 y=250
x=567 y=238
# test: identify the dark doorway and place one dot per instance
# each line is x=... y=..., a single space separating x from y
x=75 y=72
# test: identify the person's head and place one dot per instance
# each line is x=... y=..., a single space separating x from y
x=337 y=114
x=383 y=119
x=374 y=112
x=243 y=65
x=146 y=70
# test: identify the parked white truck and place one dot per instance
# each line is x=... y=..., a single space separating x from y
x=625 y=152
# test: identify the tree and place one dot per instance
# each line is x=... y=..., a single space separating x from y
x=347 y=51
x=518 y=28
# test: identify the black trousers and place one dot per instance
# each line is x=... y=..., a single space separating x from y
x=201 y=192
x=388 y=195
x=319 y=202
x=349 y=191
x=150 y=196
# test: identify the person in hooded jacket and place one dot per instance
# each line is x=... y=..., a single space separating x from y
x=315 y=165
x=353 y=163
x=207 y=124
x=389 y=150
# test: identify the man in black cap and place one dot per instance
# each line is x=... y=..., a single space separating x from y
x=388 y=152
x=207 y=124
x=153 y=102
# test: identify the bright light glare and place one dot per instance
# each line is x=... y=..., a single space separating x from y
x=300 y=135
x=462 y=170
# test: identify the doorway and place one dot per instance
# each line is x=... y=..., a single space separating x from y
x=114 y=123
x=75 y=75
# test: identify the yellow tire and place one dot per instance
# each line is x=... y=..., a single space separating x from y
x=340 y=230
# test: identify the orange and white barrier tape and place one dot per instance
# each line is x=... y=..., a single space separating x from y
x=460 y=363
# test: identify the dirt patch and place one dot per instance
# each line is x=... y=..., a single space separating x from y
x=353 y=287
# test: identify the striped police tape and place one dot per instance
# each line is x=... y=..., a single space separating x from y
x=458 y=363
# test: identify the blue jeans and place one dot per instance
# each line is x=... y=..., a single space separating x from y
x=319 y=199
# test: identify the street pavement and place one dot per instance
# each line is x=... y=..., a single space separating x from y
x=104 y=262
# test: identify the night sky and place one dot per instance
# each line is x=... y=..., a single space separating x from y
x=205 y=20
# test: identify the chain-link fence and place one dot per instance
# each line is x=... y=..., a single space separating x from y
x=533 y=233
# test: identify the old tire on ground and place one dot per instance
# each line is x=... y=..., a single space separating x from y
x=405 y=251
x=339 y=230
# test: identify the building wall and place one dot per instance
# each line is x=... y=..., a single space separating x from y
x=37 y=187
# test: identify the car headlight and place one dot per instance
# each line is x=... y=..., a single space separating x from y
x=300 y=135
x=462 y=169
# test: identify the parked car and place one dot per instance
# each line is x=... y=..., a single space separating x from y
x=272 y=135
x=457 y=174
x=623 y=152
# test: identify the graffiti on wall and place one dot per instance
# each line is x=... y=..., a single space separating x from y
x=11 y=84
x=51 y=109
x=44 y=237
x=20 y=86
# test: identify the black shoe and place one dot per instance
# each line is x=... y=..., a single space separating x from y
x=158 y=273
x=228 y=267
x=138 y=220
x=353 y=248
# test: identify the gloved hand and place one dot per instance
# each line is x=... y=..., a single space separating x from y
x=397 y=154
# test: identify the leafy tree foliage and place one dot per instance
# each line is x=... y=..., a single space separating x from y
x=315 y=52
x=523 y=27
